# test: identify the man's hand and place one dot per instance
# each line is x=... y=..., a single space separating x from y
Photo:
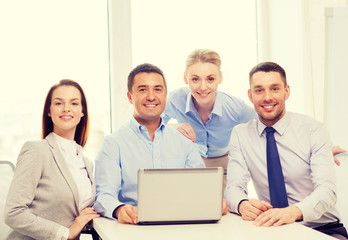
x=251 y=209
x=127 y=214
x=337 y=150
x=278 y=216
x=224 y=207
x=186 y=129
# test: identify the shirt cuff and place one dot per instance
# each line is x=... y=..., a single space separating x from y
x=239 y=205
x=308 y=213
x=62 y=233
x=234 y=198
x=66 y=234
x=107 y=208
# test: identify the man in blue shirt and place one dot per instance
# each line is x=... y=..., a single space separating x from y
x=145 y=142
x=304 y=152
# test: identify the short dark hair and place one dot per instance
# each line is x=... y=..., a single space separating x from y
x=81 y=133
x=268 y=67
x=147 y=68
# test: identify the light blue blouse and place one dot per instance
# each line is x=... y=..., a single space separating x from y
x=213 y=137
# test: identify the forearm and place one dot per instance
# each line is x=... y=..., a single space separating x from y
x=26 y=221
x=18 y=215
x=106 y=205
x=234 y=196
x=237 y=176
x=317 y=203
x=23 y=221
x=107 y=178
x=323 y=194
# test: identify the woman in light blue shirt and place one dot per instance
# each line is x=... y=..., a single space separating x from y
x=206 y=115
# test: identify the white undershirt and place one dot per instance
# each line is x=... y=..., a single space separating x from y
x=72 y=153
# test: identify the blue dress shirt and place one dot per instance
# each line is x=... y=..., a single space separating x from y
x=213 y=137
x=305 y=153
x=130 y=148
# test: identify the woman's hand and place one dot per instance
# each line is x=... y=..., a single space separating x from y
x=187 y=130
x=81 y=221
x=337 y=150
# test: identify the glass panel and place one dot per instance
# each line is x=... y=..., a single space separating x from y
x=43 y=42
x=165 y=32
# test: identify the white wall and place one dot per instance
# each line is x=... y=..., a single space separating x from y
x=289 y=32
x=164 y=33
x=336 y=111
x=120 y=57
x=292 y=33
x=282 y=23
x=42 y=42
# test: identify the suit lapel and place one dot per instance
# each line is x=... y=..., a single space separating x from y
x=64 y=169
x=89 y=169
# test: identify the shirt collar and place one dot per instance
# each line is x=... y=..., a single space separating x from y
x=279 y=126
x=140 y=128
x=217 y=109
x=62 y=142
x=190 y=107
x=218 y=104
x=66 y=144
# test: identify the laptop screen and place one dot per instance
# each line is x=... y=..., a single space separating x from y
x=180 y=195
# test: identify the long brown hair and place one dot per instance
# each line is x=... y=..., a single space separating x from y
x=81 y=133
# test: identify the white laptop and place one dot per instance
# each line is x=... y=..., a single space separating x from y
x=185 y=195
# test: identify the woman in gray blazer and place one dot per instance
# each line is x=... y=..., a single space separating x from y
x=53 y=189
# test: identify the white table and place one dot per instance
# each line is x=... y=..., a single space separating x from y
x=230 y=227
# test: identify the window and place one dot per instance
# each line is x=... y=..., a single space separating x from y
x=164 y=33
x=43 y=42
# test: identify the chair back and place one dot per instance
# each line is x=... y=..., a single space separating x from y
x=6 y=174
x=342 y=194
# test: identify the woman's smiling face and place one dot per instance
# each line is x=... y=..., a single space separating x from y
x=203 y=80
x=66 y=111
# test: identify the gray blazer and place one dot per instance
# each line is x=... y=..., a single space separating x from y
x=43 y=196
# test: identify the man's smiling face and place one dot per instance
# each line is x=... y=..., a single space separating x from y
x=149 y=95
x=268 y=94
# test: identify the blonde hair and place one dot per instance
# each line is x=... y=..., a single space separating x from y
x=204 y=56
